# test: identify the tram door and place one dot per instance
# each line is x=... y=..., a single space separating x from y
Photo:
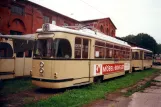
x=23 y=59
x=19 y=64
x=27 y=62
x=23 y=63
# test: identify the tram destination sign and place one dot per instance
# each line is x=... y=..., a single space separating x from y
x=100 y=69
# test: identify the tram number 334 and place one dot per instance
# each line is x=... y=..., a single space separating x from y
x=100 y=69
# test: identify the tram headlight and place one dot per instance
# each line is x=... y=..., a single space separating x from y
x=41 y=64
x=55 y=75
x=41 y=70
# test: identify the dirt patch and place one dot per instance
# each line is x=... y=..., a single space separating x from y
x=25 y=97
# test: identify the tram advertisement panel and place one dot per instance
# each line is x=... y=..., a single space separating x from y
x=100 y=69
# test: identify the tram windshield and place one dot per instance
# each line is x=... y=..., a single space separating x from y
x=49 y=48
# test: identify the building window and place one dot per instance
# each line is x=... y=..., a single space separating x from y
x=53 y=22
x=65 y=24
x=46 y=19
x=17 y=10
x=107 y=31
x=102 y=30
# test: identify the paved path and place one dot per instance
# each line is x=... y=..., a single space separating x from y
x=150 y=97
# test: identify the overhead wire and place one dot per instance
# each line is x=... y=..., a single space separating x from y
x=93 y=7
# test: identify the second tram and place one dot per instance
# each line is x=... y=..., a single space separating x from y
x=141 y=58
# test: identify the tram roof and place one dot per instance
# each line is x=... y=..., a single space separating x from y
x=138 y=48
x=85 y=32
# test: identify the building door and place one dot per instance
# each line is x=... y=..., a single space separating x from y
x=12 y=32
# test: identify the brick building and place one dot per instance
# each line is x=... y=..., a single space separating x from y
x=24 y=17
x=104 y=25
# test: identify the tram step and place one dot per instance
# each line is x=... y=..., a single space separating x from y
x=82 y=83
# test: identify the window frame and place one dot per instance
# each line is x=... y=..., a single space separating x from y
x=82 y=48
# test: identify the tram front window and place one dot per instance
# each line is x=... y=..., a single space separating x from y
x=49 y=48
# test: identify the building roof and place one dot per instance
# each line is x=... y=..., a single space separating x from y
x=97 y=20
x=51 y=10
x=70 y=17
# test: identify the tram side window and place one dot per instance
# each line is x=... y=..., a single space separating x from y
x=135 y=55
x=64 y=49
x=19 y=54
x=28 y=53
x=85 y=48
x=109 y=50
x=2 y=53
x=147 y=55
x=78 y=47
x=81 y=48
x=127 y=53
x=141 y=54
x=6 y=50
x=99 y=49
x=117 y=52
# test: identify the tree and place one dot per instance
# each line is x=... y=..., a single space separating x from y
x=143 y=40
x=159 y=49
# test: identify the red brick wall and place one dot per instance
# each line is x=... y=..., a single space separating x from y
x=30 y=21
x=106 y=25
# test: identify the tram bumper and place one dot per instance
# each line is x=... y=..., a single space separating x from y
x=52 y=83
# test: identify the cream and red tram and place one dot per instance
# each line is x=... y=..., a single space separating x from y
x=64 y=57
x=141 y=58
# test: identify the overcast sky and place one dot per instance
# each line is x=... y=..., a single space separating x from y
x=129 y=16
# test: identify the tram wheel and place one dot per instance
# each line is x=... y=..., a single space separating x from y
x=133 y=69
x=98 y=79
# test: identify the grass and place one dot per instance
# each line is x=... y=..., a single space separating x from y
x=85 y=95
x=138 y=88
x=16 y=85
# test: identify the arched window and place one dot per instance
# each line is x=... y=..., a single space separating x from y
x=64 y=49
x=101 y=28
x=107 y=31
x=6 y=50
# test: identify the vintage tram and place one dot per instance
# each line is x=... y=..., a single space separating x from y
x=15 y=58
x=65 y=57
x=141 y=58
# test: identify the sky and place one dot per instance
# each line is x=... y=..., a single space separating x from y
x=129 y=16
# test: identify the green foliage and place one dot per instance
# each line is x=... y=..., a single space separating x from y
x=79 y=97
x=159 y=49
x=143 y=40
